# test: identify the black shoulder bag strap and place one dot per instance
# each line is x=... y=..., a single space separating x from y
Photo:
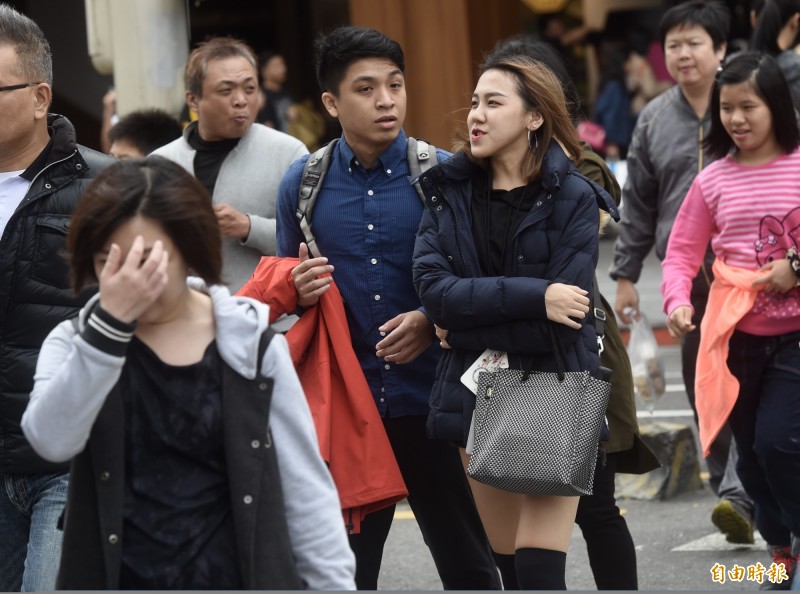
x=599 y=315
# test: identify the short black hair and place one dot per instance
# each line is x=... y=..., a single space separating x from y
x=146 y=129
x=711 y=15
x=766 y=77
x=543 y=52
x=338 y=49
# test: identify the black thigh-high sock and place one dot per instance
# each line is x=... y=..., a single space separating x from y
x=508 y=570
x=541 y=569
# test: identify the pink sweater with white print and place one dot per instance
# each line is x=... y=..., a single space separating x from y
x=752 y=215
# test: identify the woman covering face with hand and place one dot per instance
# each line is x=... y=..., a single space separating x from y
x=196 y=465
x=506 y=250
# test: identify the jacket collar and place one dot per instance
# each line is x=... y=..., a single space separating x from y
x=555 y=168
x=62 y=144
x=684 y=104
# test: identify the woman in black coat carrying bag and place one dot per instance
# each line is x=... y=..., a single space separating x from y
x=505 y=257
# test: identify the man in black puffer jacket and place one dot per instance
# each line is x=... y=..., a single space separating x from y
x=43 y=172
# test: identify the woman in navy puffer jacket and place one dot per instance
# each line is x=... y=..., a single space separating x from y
x=507 y=248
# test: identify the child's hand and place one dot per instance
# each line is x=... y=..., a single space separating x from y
x=779 y=277
x=680 y=321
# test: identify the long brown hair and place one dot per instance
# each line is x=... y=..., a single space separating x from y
x=540 y=91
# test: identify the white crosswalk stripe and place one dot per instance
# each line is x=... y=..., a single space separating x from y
x=662 y=414
x=717 y=542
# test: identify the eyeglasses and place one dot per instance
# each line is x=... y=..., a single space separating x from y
x=19 y=86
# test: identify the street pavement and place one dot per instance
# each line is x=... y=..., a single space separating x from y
x=677 y=545
x=676 y=549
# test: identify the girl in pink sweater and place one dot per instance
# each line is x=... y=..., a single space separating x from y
x=747 y=204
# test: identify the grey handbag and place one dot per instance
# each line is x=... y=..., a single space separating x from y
x=537 y=432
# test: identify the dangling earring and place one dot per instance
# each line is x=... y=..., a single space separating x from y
x=532 y=146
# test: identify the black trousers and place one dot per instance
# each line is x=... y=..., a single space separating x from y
x=609 y=544
x=440 y=498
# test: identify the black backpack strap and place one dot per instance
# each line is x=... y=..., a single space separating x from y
x=421 y=157
x=314 y=172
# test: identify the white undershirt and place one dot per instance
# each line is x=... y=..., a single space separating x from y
x=12 y=190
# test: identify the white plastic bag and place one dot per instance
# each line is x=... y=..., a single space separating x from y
x=647 y=364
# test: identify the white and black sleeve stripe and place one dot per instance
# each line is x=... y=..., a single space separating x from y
x=107 y=333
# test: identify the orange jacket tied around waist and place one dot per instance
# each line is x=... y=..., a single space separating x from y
x=731 y=297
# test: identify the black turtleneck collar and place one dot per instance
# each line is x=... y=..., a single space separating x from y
x=209 y=156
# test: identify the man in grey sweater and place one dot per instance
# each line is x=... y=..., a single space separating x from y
x=240 y=163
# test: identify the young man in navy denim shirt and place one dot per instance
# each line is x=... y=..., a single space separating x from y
x=365 y=220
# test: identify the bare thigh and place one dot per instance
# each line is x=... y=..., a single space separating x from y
x=546 y=522
x=513 y=521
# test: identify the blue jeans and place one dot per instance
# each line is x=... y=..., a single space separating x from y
x=766 y=425
x=30 y=545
